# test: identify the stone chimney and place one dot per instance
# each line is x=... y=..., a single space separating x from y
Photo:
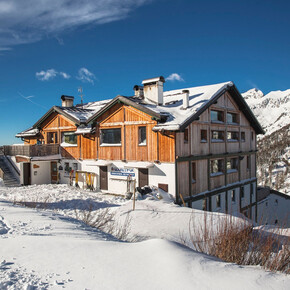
x=139 y=92
x=185 y=99
x=67 y=101
x=153 y=90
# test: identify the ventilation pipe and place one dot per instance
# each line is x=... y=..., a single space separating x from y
x=185 y=99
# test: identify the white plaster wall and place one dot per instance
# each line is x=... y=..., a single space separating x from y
x=163 y=173
x=273 y=208
x=159 y=173
x=42 y=174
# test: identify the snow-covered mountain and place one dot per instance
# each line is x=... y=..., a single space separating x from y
x=273 y=159
x=272 y=110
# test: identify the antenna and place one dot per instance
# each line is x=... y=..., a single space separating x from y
x=80 y=90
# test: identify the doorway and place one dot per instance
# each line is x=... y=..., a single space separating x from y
x=143 y=177
x=54 y=172
x=103 y=177
x=26 y=173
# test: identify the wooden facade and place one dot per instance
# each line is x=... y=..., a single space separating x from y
x=159 y=146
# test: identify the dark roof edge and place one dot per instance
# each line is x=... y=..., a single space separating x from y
x=126 y=101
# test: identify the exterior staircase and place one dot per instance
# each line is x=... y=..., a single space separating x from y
x=9 y=177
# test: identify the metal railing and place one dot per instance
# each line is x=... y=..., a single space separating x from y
x=31 y=150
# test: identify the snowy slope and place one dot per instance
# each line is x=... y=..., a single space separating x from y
x=44 y=250
x=272 y=110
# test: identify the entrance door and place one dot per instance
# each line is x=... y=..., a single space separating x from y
x=53 y=172
x=104 y=177
x=143 y=177
x=26 y=174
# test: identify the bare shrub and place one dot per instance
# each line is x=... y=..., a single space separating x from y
x=105 y=220
x=236 y=241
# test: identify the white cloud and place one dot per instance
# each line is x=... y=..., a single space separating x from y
x=64 y=75
x=174 y=77
x=85 y=76
x=46 y=75
x=31 y=20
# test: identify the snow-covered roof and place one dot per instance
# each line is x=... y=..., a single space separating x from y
x=173 y=104
x=31 y=132
x=83 y=112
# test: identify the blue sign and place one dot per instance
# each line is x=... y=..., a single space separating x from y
x=122 y=171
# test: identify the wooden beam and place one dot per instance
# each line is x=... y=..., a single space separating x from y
x=216 y=191
x=213 y=156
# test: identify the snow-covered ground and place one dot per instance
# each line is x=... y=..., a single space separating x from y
x=49 y=249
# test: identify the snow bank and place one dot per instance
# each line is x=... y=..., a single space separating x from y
x=45 y=250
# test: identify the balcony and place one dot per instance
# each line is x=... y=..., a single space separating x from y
x=32 y=150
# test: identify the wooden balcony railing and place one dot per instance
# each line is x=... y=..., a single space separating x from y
x=32 y=150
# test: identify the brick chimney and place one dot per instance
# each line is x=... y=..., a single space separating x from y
x=153 y=90
x=67 y=101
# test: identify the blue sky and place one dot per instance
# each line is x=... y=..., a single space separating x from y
x=50 y=48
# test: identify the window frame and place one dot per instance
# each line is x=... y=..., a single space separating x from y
x=193 y=172
x=236 y=117
x=106 y=144
x=52 y=135
x=236 y=133
x=140 y=135
x=218 y=140
x=218 y=201
x=220 y=165
x=219 y=113
x=65 y=144
x=203 y=140
x=232 y=168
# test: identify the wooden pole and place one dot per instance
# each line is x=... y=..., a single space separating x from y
x=134 y=195
x=181 y=197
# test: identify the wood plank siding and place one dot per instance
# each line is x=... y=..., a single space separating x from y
x=200 y=143
x=159 y=146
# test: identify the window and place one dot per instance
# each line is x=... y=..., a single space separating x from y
x=232 y=165
x=248 y=162
x=233 y=195
x=142 y=136
x=186 y=136
x=203 y=136
x=232 y=118
x=69 y=139
x=218 y=200
x=217 y=136
x=51 y=137
x=233 y=136
x=193 y=172
x=111 y=137
x=243 y=136
x=217 y=116
x=216 y=167
x=252 y=134
x=252 y=189
x=242 y=193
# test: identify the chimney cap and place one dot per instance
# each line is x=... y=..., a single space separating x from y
x=153 y=80
x=64 y=97
x=137 y=88
x=185 y=91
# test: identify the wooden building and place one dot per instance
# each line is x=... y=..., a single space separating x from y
x=198 y=144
